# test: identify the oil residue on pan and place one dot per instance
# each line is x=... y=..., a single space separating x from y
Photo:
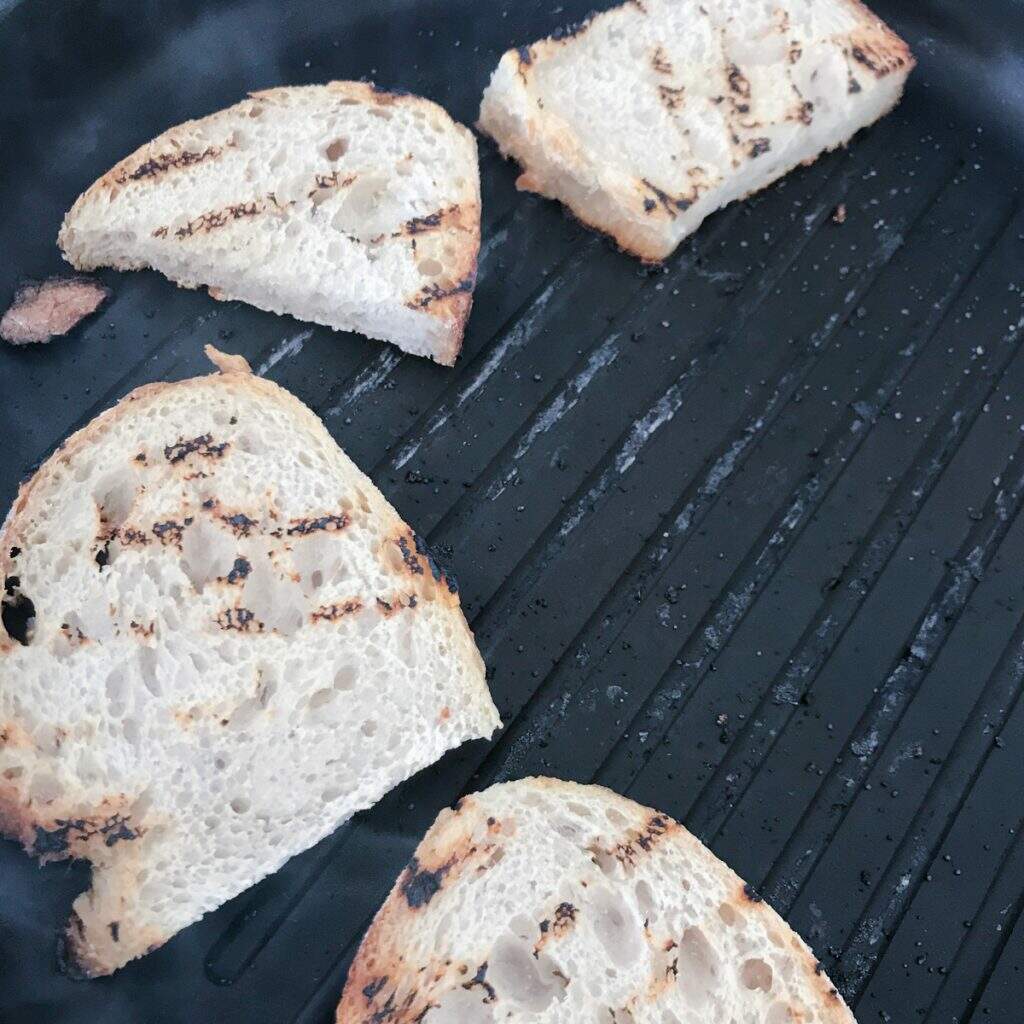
x=738 y=536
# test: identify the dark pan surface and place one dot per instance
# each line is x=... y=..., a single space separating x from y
x=739 y=538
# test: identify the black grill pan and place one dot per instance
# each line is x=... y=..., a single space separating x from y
x=738 y=536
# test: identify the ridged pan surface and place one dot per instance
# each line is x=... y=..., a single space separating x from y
x=739 y=536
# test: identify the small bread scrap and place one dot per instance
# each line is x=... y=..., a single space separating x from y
x=552 y=903
x=647 y=118
x=42 y=310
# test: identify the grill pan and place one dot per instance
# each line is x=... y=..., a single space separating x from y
x=738 y=536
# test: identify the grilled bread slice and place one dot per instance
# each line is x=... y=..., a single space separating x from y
x=649 y=117
x=220 y=642
x=554 y=903
x=341 y=204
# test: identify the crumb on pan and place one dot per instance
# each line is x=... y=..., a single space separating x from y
x=42 y=310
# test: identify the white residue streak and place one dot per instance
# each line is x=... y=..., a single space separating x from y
x=664 y=409
x=514 y=339
x=289 y=347
x=368 y=379
x=565 y=400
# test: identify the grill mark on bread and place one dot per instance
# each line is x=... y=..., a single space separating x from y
x=70 y=834
x=431 y=293
x=202 y=445
x=241 y=525
x=660 y=62
x=329 y=181
x=480 y=978
x=211 y=220
x=738 y=82
x=170 y=531
x=419 y=886
x=333 y=612
x=668 y=202
x=419 y=225
x=672 y=98
x=158 y=165
x=240 y=620
x=328 y=523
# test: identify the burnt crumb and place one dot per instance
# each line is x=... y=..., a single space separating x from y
x=128 y=536
x=15 y=551
x=751 y=893
x=649 y=204
x=240 y=619
x=332 y=612
x=239 y=570
x=431 y=293
x=115 y=930
x=385 y=606
x=795 y=53
x=142 y=630
x=370 y=991
x=170 y=532
x=11 y=584
x=202 y=445
x=102 y=556
x=806 y=114
x=141 y=457
x=330 y=523
x=759 y=146
x=209 y=503
x=738 y=82
x=419 y=886
x=480 y=978
x=852 y=85
x=159 y=164
x=240 y=523
x=819 y=967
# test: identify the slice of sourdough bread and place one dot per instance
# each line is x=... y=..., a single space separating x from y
x=649 y=117
x=554 y=903
x=220 y=642
x=341 y=204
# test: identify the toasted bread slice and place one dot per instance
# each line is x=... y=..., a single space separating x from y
x=649 y=117
x=219 y=643
x=340 y=204
x=554 y=903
